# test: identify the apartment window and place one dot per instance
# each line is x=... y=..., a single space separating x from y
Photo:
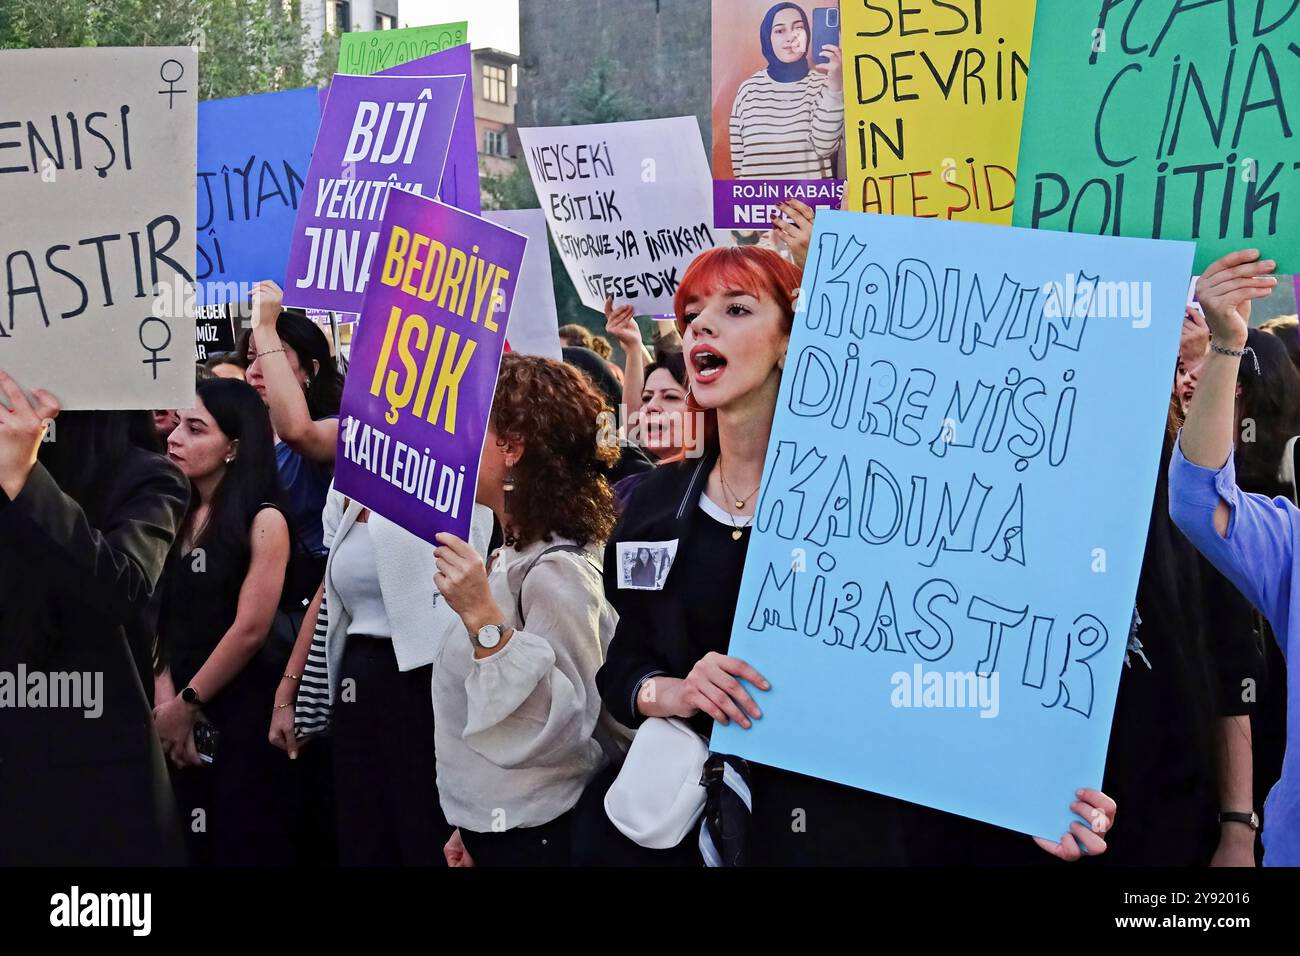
x=385 y=22
x=494 y=84
x=338 y=16
x=494 y=143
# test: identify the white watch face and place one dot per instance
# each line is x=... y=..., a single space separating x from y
x=489 y=636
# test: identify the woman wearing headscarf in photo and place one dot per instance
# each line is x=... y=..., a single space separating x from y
x=668 y=659
x=787 y=121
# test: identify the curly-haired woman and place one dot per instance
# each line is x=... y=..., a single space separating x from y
x=517 y=717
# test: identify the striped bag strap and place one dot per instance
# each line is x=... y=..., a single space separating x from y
x=311 y=715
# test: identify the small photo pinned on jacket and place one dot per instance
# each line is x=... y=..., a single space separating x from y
x=644 y=565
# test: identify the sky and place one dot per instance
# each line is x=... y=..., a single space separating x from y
x=492 y=23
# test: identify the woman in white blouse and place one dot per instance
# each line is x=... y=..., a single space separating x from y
x=517 y=718
x=383 y=614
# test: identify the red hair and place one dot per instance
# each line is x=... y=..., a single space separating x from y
x=753 y=269
x=763 y=273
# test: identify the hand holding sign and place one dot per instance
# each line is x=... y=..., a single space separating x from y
x=1099 y=810
x=797 y=232
x=621 y=323
x=711 y=687
x=461 y=579
x=22 y=427
x=1226 y=289
x=268 y=303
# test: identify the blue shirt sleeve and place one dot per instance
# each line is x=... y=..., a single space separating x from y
x=1257 y=553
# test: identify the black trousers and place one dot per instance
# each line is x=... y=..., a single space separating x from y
x=550 y=844
x=385 y=776
x=244 y=808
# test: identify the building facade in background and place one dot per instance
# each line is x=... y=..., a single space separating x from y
x=659 y=54
x=347 y=16
x=496 y=91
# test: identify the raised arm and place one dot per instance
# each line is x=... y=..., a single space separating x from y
x=826 y=134
x=1247 y=537
x=111 y=566
x=621 y=323
x=293 y=424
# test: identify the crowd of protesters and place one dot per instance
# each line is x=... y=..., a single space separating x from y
x=290 y=677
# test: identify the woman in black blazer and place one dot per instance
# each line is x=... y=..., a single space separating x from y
x=668 y=658
x=86 y=521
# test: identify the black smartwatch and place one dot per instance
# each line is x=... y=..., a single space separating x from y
x=191 y=697
x=1249 y=819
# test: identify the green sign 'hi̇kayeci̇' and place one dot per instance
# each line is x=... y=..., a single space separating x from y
x=375 y=50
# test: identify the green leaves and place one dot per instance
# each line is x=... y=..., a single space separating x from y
x=245 y=46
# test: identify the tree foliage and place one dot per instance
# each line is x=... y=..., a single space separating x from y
x=593 y=98
x=244 y=46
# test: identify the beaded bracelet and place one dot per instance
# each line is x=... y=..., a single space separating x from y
x=1236 y=353
x=1232 y=353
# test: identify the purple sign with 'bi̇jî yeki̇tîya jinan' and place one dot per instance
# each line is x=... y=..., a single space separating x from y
x=424 y=364
x=377 y=132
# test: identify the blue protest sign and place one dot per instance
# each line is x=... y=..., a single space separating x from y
x=954 y=507
x=253 y=155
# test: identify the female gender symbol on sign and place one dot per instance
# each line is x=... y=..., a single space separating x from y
x=171 y=90
x=155 y=349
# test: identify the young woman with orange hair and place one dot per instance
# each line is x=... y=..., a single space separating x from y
x=735 y=308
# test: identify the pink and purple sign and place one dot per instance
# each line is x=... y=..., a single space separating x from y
x=378 y=135
x=751 y=203
x=424 y=364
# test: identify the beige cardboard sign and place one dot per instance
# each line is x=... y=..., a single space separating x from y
x=97 y=174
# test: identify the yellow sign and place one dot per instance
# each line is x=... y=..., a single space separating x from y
x=934 y=95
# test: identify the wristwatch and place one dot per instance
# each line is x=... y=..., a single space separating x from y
x=191 y=696
x=1250 y=819
x=488 y=636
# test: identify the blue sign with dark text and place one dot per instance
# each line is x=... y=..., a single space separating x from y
x=252 y=162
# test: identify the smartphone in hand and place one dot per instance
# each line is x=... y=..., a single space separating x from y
x=206 y=738
x=825 y=31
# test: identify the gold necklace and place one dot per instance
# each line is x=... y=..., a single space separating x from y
x=740 y=502
x=737 y=530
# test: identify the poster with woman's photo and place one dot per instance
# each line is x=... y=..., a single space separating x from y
x=778 y=108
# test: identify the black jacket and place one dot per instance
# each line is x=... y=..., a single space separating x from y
x=653 y=637
x=651 y=633
x=76 y=789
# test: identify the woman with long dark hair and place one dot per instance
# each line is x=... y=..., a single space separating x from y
x=290 y=366
x=87 y=517
x=221 y=592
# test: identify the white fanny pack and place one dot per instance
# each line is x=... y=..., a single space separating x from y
x=657 y=796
